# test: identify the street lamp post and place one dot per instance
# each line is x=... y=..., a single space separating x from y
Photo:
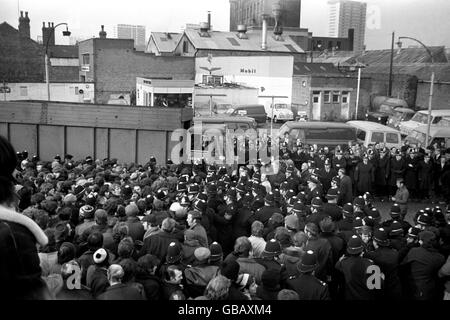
x=47 y=75
x=430 y=101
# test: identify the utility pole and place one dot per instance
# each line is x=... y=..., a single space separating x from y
x=272 y=107
x=391 y=66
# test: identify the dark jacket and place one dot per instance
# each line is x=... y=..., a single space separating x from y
x=250 y=266
x=20 y=272
x=382 y=170
x=364 y=177
x=135 y=228
x=422 y=265
x=74 y=294
x=397 y=170
x=157 y=244
x=354 y=270
x=264 y=214
x=324 y=256
x=345 y=188
x=308 y=287
x=333 y=210
x=152 y=286
x=99 y=281
x=387 y=259
x=121 y=291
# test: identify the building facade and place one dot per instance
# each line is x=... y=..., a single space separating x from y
x=345 y=15
x=249 y=12
x=113 y=65
x=135 y=32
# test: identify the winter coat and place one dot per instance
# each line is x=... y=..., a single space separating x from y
x=345 y=189
x=397 y=170
x=422 y=265
x=308 y=287
x=157 y=244
x=188 y=249
x=382 y=170
x=152 y=286
x=250 y=266
x=135 y=228
x=412 y=166
x=121 y=291
x=20 y=272
x=364 y=177
x=425 y=176
x=99 y=281
x=387 y=259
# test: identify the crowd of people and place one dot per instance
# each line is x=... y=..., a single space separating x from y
x=100 y=229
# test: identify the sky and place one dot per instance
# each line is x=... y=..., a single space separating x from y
x=425 y=20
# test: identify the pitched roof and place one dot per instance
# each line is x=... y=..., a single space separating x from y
x=302 y=68
x=403 y=56
x=420 y=70
x=61 y=51
x=166 y=41
x=222 y=40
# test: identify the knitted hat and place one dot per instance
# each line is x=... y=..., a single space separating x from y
x=87 y=211
x=100 y=256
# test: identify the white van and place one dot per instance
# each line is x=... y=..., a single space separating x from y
x=368 y=132
x=281 y=112
x=438 y=134
x=421 y=117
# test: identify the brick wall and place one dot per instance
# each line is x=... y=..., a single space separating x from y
x=21 y=59
x=116 y=69
x=441 y=95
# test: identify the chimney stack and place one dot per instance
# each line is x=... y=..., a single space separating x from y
x=209 y=20
x=24 y=25
x=242 y=29
x=48 y=34
x=264 y=32
x=102 y=33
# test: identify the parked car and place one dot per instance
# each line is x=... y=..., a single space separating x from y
x=255 y=111
x=385 y=110
x=280 y=112
x=231 y=122
x=421 y=117
x=321 y=133
x=368 y=133
x=400 y=115
x=438 y=134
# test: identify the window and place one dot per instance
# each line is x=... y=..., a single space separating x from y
x=377 y=137
x=23 y=91
x=86 y=59
x=336 y=97
x=83 y=78
x=344 y=96
x=185 y=47
x=327 y=97
x=361 y=135
x=392 y=138
x=213 y=80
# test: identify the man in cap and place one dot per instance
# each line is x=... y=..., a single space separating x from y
x=397 y=171
x=382 y=168
x=198 y=276
x=315 y=189
x=326 y=174
x=422 y=265
x=322 y=248
x=157 y=244
x=135 y=228
x=307 y=286
x=263 y=214
x=331 y=208
x=387 y=259
x=356 y=271
x=411 y=170
x=401 y=197
x=345 y=187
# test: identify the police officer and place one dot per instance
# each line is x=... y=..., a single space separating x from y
x=307 y=286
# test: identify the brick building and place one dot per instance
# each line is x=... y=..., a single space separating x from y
x=325 y=93
x=22 y=58
x=113 y=65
